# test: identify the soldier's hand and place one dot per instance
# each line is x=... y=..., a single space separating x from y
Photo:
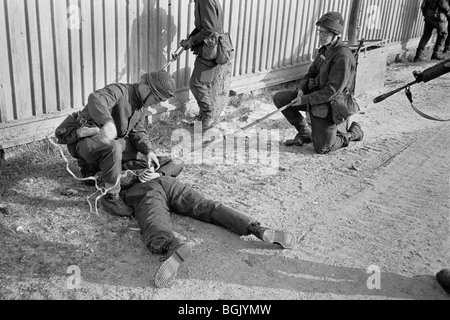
x=109 y=130
x=298 y=101
x=152 y=160
x=186 y=44
x=447 y=64
x=149 y=175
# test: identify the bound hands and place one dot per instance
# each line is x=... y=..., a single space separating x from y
x=149 y=175
x=153 y=161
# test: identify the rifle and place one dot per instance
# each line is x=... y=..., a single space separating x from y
x=358 y=50
x=424 y=76
x=175 y=56
x=429 y=74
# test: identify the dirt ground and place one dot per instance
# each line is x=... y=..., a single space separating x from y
x=371 y=221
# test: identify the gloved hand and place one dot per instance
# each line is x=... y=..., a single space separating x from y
x=186 y=44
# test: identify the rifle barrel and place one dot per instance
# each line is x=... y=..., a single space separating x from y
x=387 y=95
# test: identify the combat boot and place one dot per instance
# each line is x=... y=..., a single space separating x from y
x=437 y=56
x=443 y=278
x=283 y=238
x=303 y=136
x=175 y=254
x=208 y=122
x=114 y=204
x=355 y=132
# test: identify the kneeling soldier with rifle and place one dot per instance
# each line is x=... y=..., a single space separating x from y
x=330 y=77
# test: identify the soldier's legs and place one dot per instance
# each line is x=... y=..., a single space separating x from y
x=325 y=135
x=200 y=85
x=441 y=29
x=294 y=117
x=188 y=202
x=427 y=33
x=108 y=155
x=149 y=201
x=447 y=40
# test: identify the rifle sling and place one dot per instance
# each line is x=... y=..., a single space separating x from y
x=424 y=115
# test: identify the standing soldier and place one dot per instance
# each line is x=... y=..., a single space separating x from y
x=331 y=74
x=447 y=41
x=435 y=13
x=208 y=21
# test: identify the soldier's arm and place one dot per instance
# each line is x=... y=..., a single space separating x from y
x=209 y=22
x=340 y=74
x=99 y=107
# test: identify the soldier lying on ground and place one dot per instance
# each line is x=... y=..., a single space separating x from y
x=154 y=196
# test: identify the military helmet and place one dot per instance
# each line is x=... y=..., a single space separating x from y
x=333 y=21
x=161 y=83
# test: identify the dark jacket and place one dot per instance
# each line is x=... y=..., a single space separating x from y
x=334 y=69
x=208 y=20
x=122 y=104
x=435 y=10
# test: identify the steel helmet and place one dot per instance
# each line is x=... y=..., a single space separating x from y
x=333 y=21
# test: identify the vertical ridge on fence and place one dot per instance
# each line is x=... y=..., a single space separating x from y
x=56 y=52
x=5 y=65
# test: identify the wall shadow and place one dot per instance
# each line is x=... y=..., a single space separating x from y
x=154 y=29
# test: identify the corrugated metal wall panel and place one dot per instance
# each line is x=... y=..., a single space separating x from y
x=56 y=52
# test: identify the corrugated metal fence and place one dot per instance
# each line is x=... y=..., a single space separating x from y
x=54 y=53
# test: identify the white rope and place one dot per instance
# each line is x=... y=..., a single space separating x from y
x=103 y=191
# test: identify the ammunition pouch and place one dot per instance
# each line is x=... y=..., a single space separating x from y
x=344 y=106
x=74 y=128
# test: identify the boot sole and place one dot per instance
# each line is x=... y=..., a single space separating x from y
x=168 y=271
x=282 y=238
x=292 y=143
x=443 y=278
x=361 y=133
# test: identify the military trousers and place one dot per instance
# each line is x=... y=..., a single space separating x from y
x=200 y=85
x=447 y=40
x=154 y=201
x=108 y=154
x=326 y=136
x=441 y=30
